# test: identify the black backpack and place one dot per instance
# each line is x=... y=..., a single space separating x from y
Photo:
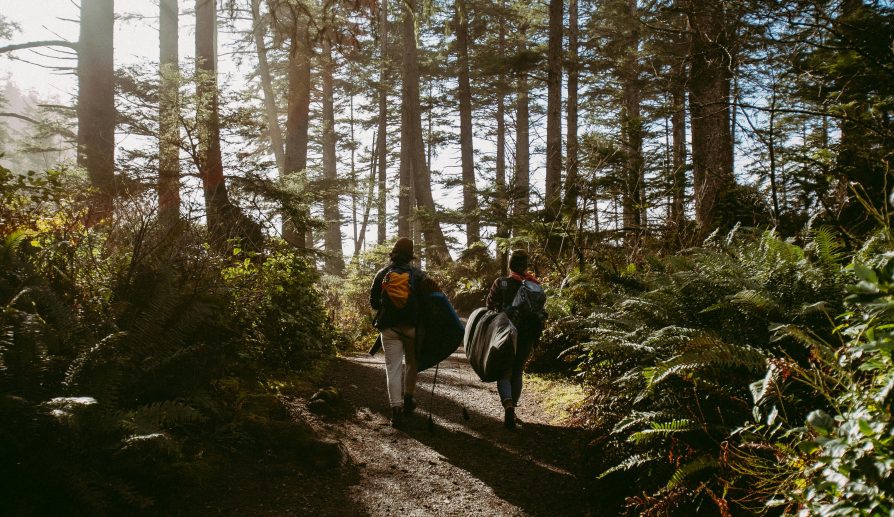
x=399 y=300
x=528 y=307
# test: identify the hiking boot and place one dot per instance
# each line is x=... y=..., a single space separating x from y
x=397 y=416
x=509 y=418
x=409 y=404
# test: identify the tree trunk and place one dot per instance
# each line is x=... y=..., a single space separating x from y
x=168 y=114
x=632 y=130
x=217 y=202
x=678 y=132
x=96 y=101
x=771 y=150
x=572 y=188
x=335 y=261
x=436 y=245
x=464 y=99
x=554 y=110
x=502 y=208
x=297 y=124
x=273 y=129
x=405 y=181
x=354 y=179
x=709 y=92
x=522 y=191
x=382 y=143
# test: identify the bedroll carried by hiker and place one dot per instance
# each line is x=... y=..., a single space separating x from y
x=490 y=344
x=439 y=331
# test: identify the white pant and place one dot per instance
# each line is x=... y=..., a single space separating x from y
x=399 y=345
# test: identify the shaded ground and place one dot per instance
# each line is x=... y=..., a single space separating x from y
x=461 y=467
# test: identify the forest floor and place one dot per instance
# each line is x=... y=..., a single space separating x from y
x=459 y=466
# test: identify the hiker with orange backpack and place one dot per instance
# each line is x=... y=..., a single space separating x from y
x=520 y=296
x=395 y=294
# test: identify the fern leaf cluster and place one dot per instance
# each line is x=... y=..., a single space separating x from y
x=674 y=369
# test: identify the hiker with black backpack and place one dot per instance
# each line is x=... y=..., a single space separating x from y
x=395 y=294
x=521 y=297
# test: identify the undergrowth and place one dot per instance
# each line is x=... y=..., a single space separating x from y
x=132 y=354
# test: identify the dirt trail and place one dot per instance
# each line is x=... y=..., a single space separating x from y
x=462 y=467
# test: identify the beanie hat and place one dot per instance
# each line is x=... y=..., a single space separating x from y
x=518 y=262
x=402 y=249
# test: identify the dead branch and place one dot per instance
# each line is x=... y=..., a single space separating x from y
x=35 y=44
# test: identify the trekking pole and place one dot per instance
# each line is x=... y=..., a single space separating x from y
x=466 y=416
x=431 y=422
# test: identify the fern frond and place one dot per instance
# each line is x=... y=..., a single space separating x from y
x=699 y=464
x=755 y=301
x=763 y=389
x=158 y=415
x=637 y=460
x=806 y=337
x=661 y=430
x=829 y=249
x=154 y=445
x=670 y=337
x=637 y=419
x=620 y=347
x=706 y=353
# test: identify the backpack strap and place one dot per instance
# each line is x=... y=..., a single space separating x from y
x=504 y=288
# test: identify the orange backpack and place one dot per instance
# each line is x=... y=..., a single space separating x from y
x=399 y=301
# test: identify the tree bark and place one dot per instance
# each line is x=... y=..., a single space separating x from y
x=217 y=202
x=335 y=262
x=771 y=150
x=382 y=135
x=464 y=98
x=522 y=188
x=273 y=129
x=632 y=129
x=554 y=110
x=502 y=208
x=436 y=245
x=709 y=100
x=96 y=101
x=169 y=114
x=405 y=181
x=572 y=188
x=298 y=123
x=678 y=132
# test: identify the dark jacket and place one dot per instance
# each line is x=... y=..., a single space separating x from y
x=499 y=298
x=501 y=295
x=420 y=280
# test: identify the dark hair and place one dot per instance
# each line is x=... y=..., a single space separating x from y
x=518 y=262
x=402 y=252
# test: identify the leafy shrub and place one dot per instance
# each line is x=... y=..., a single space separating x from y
x=347 y=299
x=838 y=458
x=277 y=303
x=116 y=341
x=670 y=368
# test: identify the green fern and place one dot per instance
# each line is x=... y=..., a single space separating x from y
x=153 y=417
x=755 y=301
x=637 y=419
x=708 y=353
x=661 y=430
x=631 y=462
x=807 y=337
x=699 y=464
x=829 y=248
